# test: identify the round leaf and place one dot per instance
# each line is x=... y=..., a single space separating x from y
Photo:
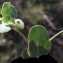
x=38 y=43
x=13 y=12
x=9 y=12
x=6 y=9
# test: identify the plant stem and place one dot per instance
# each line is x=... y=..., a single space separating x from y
x=20 y=33
x=56 y=35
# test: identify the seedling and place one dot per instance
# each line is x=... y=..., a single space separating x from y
x=38 y=40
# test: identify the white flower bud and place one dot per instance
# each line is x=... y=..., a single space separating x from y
x=4 y=27
x=19 y=21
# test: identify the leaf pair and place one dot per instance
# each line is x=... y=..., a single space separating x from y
x=38 y=43
x=9 y=15
x=9 y=12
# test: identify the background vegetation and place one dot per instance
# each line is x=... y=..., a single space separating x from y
x=48 y=13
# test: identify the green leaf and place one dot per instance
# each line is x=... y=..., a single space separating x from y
x=9 y=12
x=6 y=9
x=39 y=43
x=13 y=12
